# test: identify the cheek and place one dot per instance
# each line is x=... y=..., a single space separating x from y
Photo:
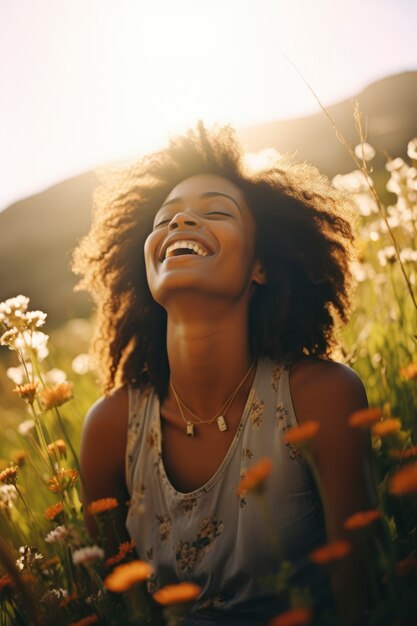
x=149 y=249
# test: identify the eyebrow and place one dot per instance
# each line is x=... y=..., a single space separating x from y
x=207 y=194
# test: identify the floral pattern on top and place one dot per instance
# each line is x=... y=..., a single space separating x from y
x=211 y=603
x=247 y=454
x=282 y=423
x=186 y=506
x=137 y=501
x=165 y=525
x=276 y=376
x=188 y=554
x=257 y=410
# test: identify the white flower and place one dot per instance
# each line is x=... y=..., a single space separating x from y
x=60 y=533
x=386 y=255
x=412 y=148
x=354 y=182
x=365 y=151
x=9 y=338
x=35 y=340
x=35 y=319
x=18 y=374
x=7 y=495
x=82 y=364
x=13 y=305
x=394 y=164
x=87 y=555
x=55 y=376
x=25 y=427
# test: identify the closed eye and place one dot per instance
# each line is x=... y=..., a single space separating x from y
x=161 y=223
x=219 y=213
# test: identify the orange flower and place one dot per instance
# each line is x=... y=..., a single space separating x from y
x=386 y=427
x=292 y=617
x=404 y=481
x=27 y=391
x=124 y=549
x=63 y=480
x=255 y=476
x=364 y=417
x=19 y=457
x=58 y=446
x=330 y=552
x=403 y=454
x=362 y=519
x=51 y=397
x=102 y=505
x=54 y=510
x=123 y=577
x=9 y=475
x=176 y=594
x=85 y=621
x=302 y=433
x=409 y=372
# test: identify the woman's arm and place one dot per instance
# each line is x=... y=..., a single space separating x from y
x=329 y=392
x=102 y=460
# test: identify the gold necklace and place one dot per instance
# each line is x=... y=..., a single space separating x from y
x=218 y=417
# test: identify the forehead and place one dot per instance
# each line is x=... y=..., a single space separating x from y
x=200 y=183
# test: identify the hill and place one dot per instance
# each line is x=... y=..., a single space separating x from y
x=39 y=233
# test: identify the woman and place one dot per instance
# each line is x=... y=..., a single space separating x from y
x=218 y=290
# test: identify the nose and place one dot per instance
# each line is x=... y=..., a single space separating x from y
x=183 y=220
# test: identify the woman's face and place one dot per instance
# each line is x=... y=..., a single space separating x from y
x=202 y=242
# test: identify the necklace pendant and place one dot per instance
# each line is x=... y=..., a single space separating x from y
x=190 y=429
x=221 y=423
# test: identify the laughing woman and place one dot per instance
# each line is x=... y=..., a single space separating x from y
x=218 y=293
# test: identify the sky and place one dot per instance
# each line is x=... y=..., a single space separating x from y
x=88 y=82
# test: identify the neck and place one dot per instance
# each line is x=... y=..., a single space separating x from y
x=208 y=354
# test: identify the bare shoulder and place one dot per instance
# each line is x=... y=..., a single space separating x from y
x=324 y=387
x=104 y=435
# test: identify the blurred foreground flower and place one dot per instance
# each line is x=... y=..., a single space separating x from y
x=293 y=617
x=386 y=427
x=409 y=372
x=404 y=481
x=52 y=397
x=333 y=551
x=123 y=577
x=177 y=594
x=255 y=477
x=364 y=417
x=301 y=434
x=362 y=519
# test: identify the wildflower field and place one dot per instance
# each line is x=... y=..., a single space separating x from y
x=50 y=570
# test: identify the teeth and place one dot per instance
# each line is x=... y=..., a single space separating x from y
x=190 y=245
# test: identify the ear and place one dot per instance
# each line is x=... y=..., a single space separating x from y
x=259 y=273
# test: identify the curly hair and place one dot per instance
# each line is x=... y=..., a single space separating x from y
x=304 y=238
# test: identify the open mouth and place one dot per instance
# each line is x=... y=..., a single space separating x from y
x=185 y=247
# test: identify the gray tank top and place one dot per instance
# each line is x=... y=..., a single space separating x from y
x=229 y=545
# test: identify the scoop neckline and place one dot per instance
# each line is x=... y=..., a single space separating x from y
x=226 y=459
